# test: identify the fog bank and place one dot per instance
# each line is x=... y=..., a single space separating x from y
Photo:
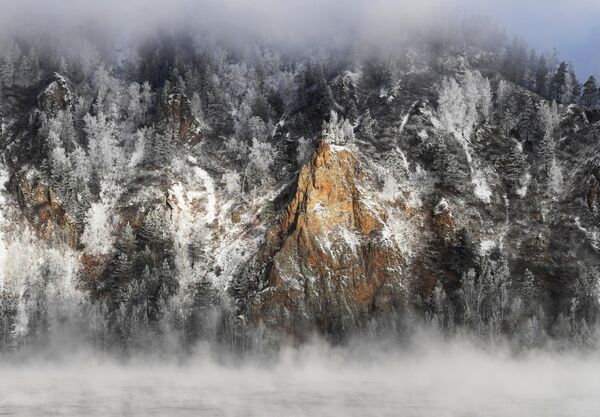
x=431 y=378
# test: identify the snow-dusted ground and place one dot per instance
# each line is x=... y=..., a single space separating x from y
x=211 y=203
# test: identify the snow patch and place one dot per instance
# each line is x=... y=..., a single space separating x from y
x=591 y=235
x=482 y=189
x=522 y=191
x=209 y=185
x=407 y=116
x=350 y=238
x=486 y=246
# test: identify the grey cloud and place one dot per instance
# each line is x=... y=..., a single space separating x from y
x=571 y=26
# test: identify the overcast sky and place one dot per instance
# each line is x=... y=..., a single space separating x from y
x=571 y=26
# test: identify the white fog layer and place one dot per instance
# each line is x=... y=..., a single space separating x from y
x=453 y=380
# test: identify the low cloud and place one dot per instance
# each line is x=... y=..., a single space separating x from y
x=569 y=26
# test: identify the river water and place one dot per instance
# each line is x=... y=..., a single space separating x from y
x=440 y=381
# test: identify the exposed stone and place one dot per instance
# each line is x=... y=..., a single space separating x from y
x=48 y=217
x=56 y=97
x=442 y=221
x=326 y=257
x=179 y=120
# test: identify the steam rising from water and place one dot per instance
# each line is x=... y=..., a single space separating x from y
x=430 y=379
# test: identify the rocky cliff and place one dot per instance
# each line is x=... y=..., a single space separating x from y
x=329 y=261
x=288 y=200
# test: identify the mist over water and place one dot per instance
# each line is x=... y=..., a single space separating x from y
x=429 y=379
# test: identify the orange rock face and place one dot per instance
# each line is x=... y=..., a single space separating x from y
x=327 y=261
x=48 y=217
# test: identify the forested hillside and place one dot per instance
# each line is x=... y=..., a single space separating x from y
x=185 y=189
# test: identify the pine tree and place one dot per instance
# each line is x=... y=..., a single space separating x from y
x=541 y=76
x=7 y=70
x=146 y=100
x=528 y=287
x=463 y=255
x=196 y=107
x=154 y=227
x=34 y=63
x=502 y=95
x=451 y=105
x=126 y=241
x=564 y=87
x=134 y=108
x=528 y=120
x=346 y=95
x=161 y=149
x=515 y=166
x=546 y=156
x=590 y=94
x=323 y=104
x=23 y=72
x=367 y=126
x=453 y=175
x=530 y=76
x=122 y=268
x=575 y=85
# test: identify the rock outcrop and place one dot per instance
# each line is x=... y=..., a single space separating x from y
x=179 y=121
x=47 y=216
x=327 y=260
x=56 y=97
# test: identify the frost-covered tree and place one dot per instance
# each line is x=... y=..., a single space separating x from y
x=338 y=132
x=478 y=96
x=452 y=108
x=564 y=87
x=549 y=117
x=514 y=167
x=134 y=108
x=453 y=175
x=261 y=158
x=146 y=100
x=103 y=144
x=345 y=94
x=258 y=129
x=502 y=94
x=590 y=95
x=546 y=156
x=541 y=76
x=527 y=288
x=462 y=106
x=139 y=150
x=10 y=65
x=367 y=125
x=158 y=148
x=196 y=108
x=98 y=234
x=108 y=93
